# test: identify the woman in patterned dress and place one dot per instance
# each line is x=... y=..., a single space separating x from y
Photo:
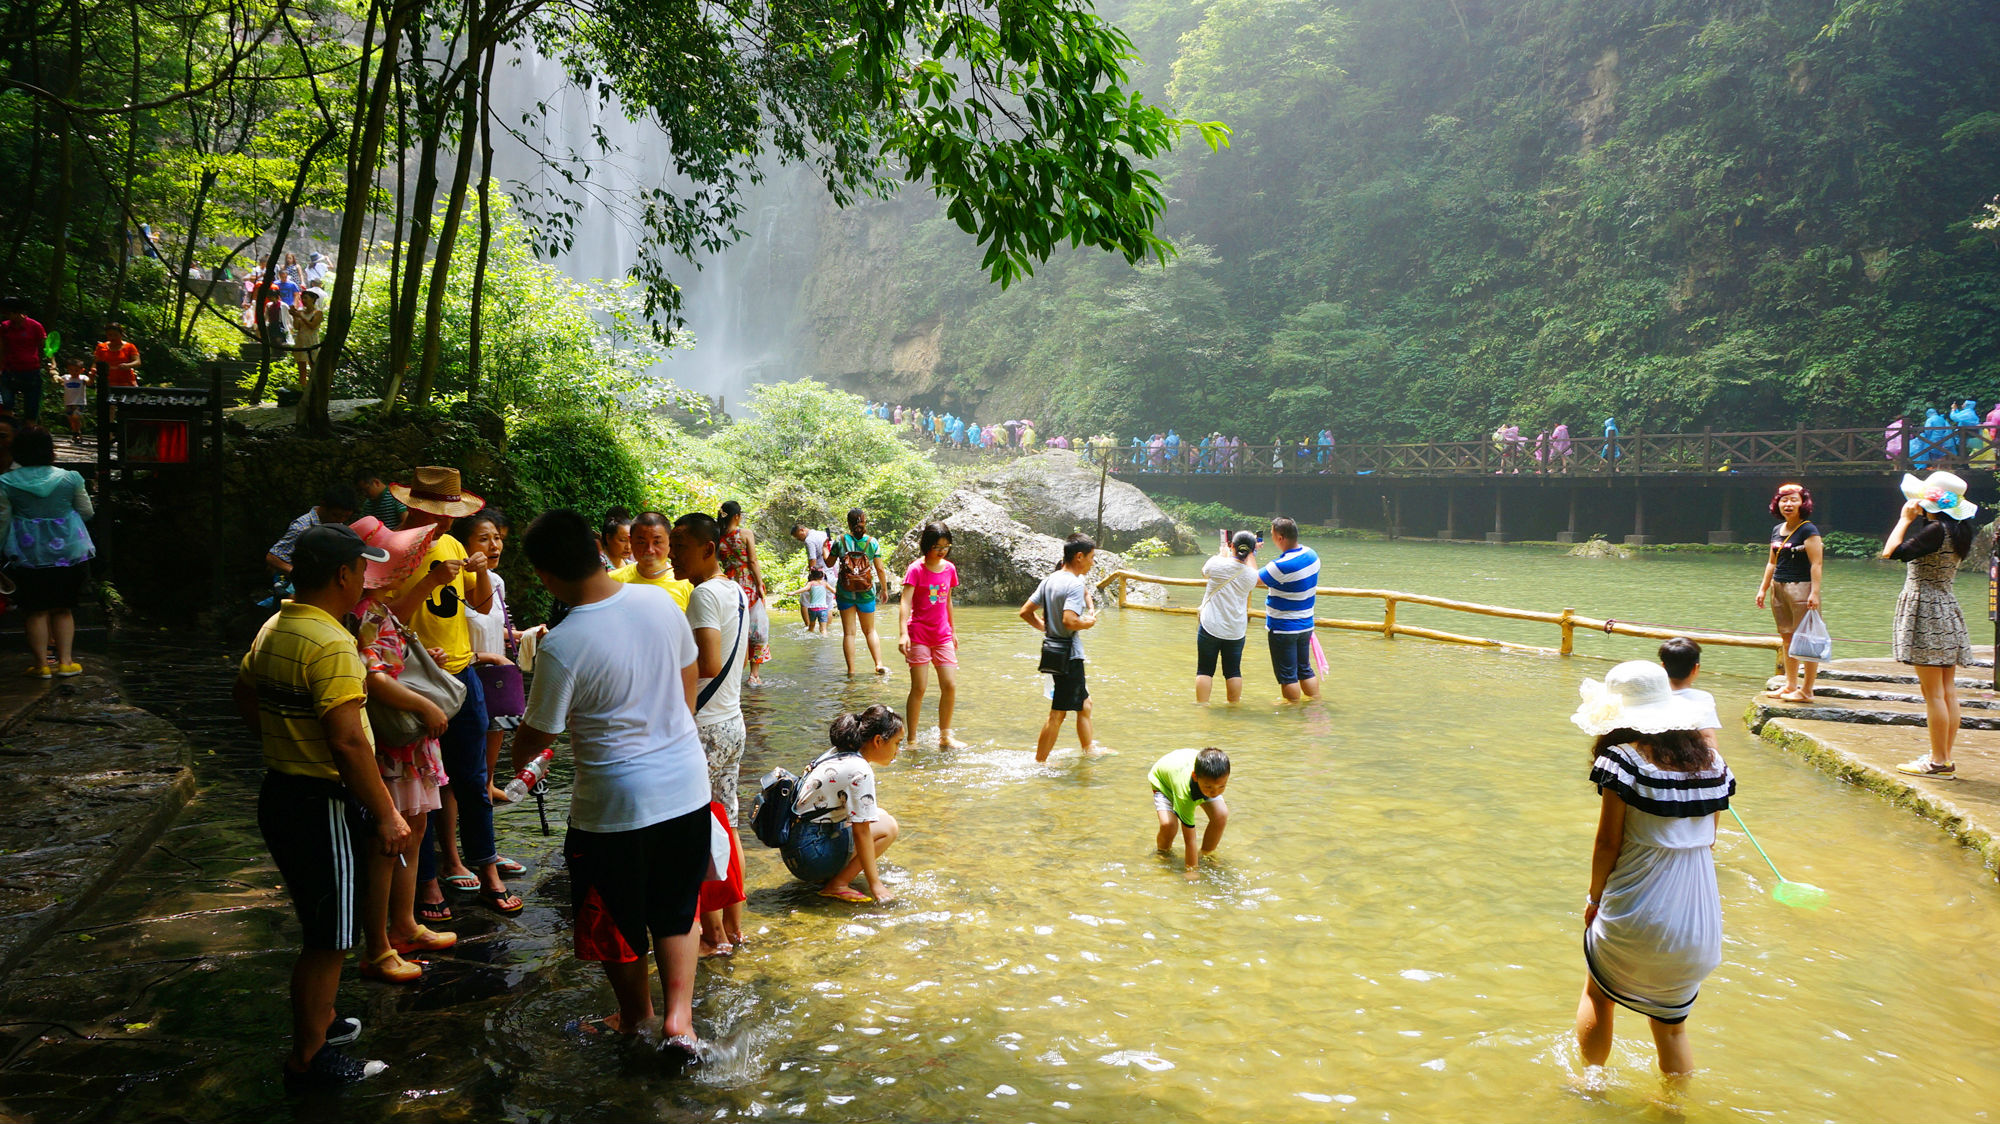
x=739 y=563
x=1933 y=535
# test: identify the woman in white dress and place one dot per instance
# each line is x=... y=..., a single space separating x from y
x=1653 y=920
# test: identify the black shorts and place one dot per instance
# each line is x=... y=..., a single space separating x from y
x=317 y=836
x=1070 y=690
x=1207 y=648
x=45 y=589
x=1291 y=655
x=628 y=889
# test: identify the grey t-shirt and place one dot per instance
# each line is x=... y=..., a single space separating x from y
x=1063 y=590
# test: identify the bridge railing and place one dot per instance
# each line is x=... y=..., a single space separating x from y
x=1772 y=452
x=1568 y=620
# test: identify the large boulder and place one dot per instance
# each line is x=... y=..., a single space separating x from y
x=1055 y=492
x=1000 y=561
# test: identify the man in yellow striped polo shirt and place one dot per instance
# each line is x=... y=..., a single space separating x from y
x=301 y=690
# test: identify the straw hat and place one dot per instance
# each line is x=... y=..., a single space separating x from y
x=1941 y=492
x=437 y=491
x=405 y=549
x=1635 y=696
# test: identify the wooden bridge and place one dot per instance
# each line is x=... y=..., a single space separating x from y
x=1694 y=483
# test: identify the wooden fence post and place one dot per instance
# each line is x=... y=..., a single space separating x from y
x=1569 y=631
x=1121 y=590
x=1799 y=448
x=1389 y=618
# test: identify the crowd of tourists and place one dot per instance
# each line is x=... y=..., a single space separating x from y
x=945 y=428
x=393 y=691
x=33 y=364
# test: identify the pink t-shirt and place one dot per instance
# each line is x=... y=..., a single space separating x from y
x=925 y=593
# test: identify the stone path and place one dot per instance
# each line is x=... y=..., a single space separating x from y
x=92 y=782
x=1867 y=716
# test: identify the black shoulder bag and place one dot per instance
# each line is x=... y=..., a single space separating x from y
x=728 y=661
x=1057 y=651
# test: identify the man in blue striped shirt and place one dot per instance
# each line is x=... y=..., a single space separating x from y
x=1292 y=579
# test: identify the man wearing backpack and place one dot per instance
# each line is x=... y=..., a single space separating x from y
x=861 y=574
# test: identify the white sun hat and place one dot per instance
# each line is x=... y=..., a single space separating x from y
x=1941 y=492
x=1635 y=696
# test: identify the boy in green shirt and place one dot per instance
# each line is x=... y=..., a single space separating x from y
x=1181 y=780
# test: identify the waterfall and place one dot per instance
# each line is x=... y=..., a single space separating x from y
x=742 y=304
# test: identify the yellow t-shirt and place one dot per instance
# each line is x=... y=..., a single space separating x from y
x=303 y=664
x=441 y=622
x=680 y=591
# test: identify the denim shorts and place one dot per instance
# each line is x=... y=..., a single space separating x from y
x=1291 y=656
x=815 y=852
x=1207 y=648
x=863 y=602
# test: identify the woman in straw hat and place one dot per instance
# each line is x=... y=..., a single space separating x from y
x=1653 y=919
x=435 y=600
x=410 y=772
x=1930 y=628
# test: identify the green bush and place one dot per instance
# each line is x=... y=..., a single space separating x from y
x=1147 y=548
x=1847 y=544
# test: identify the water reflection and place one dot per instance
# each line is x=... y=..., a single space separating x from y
x=1391 y=930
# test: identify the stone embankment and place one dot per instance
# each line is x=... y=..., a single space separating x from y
x=1867 y=716
x=92 y=782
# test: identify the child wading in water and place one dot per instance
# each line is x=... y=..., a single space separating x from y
x=816 y=598
x=848 y=831
x=928 y=639
x=1181 y=780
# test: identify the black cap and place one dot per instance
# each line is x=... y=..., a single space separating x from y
x=333 y=544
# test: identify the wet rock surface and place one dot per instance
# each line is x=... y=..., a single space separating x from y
x=1000 y=561
x=1055 y=493
x=93 y=781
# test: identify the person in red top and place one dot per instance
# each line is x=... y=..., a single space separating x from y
x=119 y=357
x=21 y=340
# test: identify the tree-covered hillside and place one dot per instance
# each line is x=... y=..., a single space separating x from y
x=1438 y=215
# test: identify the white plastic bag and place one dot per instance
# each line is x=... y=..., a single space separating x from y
x=1812 y=643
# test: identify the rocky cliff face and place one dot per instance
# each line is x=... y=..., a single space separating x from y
x=1000 y=561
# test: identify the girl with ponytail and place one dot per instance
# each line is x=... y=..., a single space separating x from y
x=843 y=831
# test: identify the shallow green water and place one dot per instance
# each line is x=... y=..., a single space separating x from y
x=1392 y=931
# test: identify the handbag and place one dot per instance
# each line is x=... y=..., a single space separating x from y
x=506 y=696
x=421 y=673
x=1056 y=650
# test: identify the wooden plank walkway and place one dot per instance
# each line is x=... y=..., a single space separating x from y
x=1868 y=717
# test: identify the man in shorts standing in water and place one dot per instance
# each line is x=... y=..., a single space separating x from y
x=1292 y=582
x=1060 y=610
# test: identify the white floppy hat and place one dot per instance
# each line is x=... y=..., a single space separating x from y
x=1941 y=492
x=1635 y=696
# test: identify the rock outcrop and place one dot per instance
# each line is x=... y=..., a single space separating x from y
x=999 y=560
x=1055 y=493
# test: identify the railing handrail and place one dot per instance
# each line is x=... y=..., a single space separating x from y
x=1568 y=619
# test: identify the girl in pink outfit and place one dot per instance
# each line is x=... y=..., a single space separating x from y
x=925 y=620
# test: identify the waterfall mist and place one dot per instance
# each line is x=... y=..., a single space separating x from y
x=740 y=305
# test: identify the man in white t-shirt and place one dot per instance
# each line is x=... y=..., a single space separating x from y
x=815 y=542
x=716 y=612
x=619 y=676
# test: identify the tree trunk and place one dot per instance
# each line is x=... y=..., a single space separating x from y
x=184 y=329
x=363 y=155
x=65 y=170
x=403 y=316
x=475 y=345
x=125 y=190
x=26 y=217
x=454 y=218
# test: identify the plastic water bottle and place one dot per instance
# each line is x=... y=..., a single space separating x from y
x=531 y=776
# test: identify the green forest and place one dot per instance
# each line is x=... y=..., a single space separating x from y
x=1438 y=216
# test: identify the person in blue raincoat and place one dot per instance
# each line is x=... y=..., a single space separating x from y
x=1933 y=440
x=1611 y=450
x=1966 y=417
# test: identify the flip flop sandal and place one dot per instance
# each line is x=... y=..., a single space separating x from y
x=496 y=900
x=846 y=894
x=465 y=882
x=509 y=868
x=435 y=912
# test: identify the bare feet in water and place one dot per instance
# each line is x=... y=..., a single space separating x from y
x=946 y=741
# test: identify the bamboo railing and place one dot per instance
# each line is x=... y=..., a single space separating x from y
x=1567 y=620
